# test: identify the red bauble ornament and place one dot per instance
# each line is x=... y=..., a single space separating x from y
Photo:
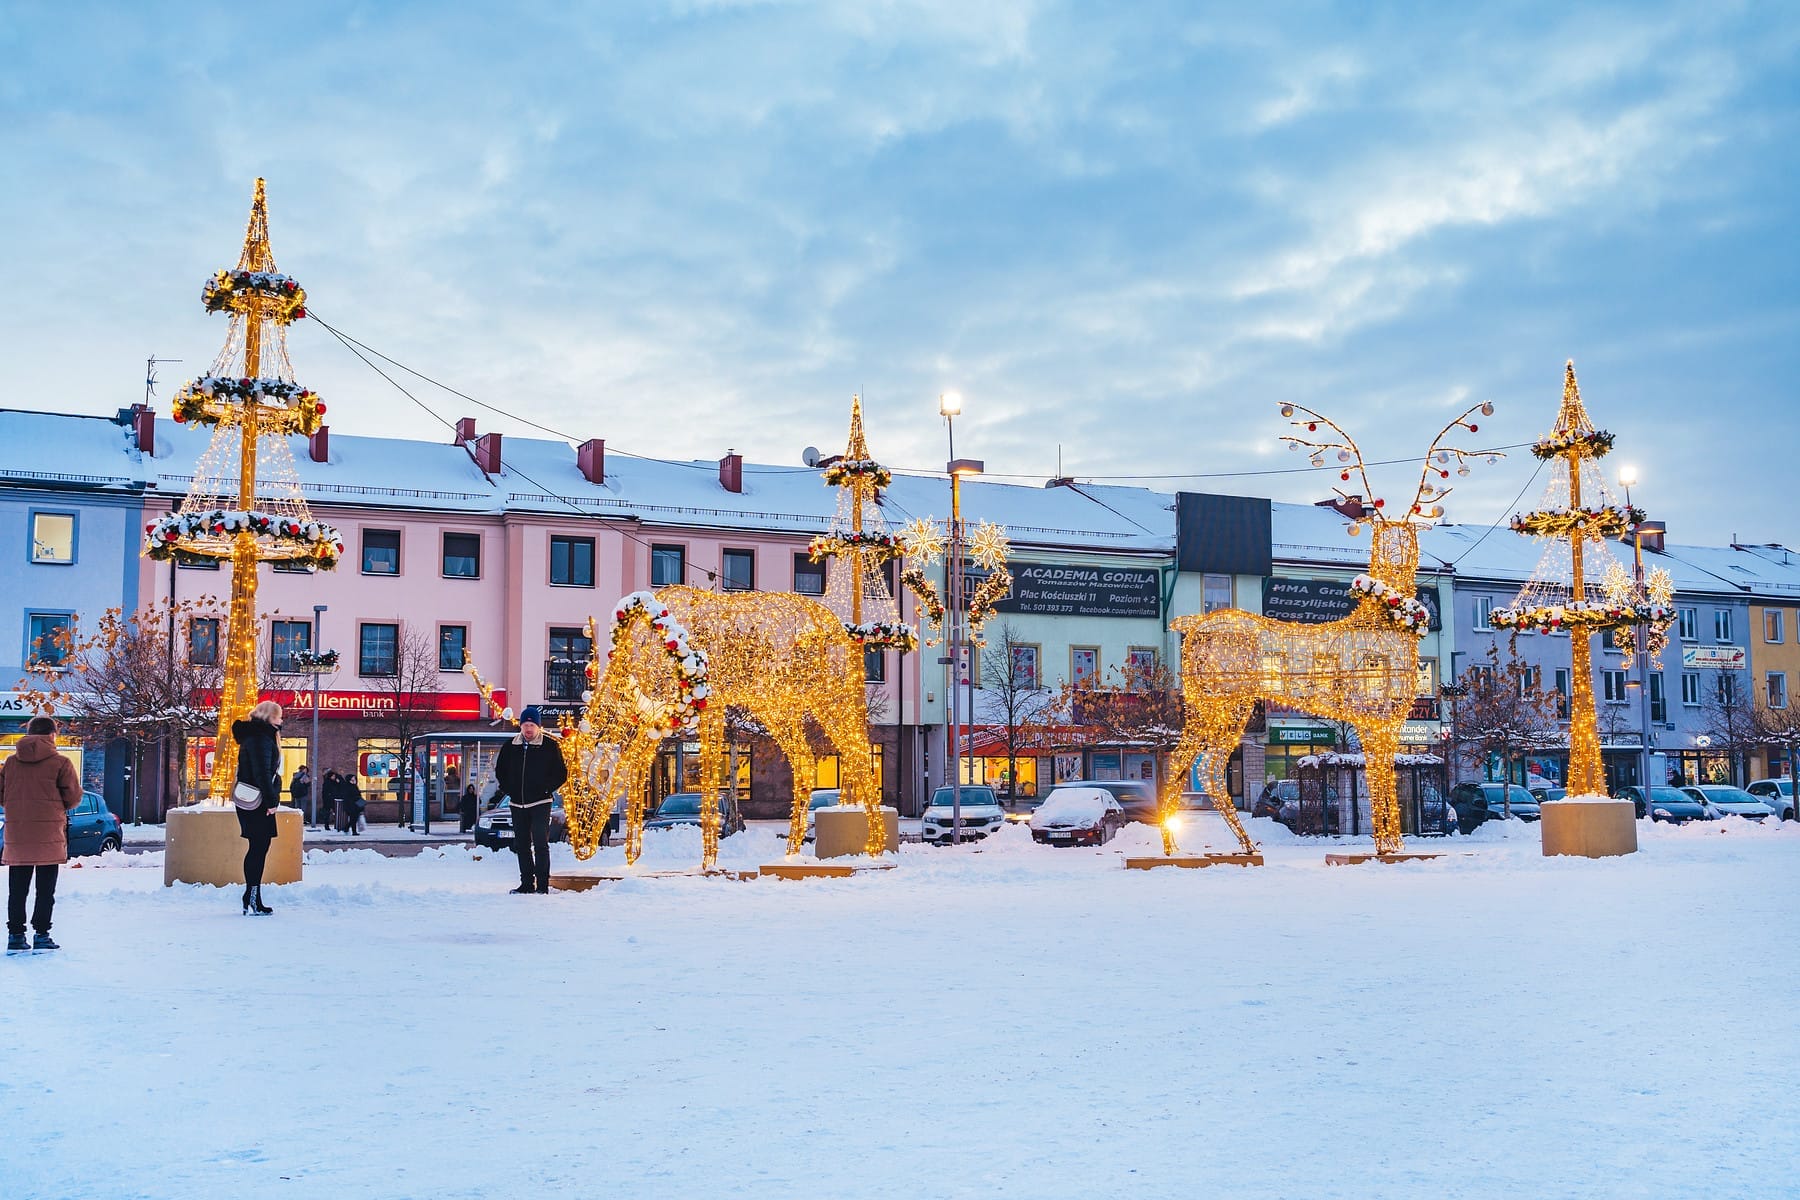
x=670 y=644
x=321 y=409
x=1473 y=427
x=1345 y=475
x=298 y=313
x=1312 y=427
x=699 y=704
x=179 y=418
x=1379 y=503
x=1443 y=474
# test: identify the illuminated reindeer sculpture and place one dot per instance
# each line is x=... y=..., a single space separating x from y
x=1362 y=669
x=675 y=661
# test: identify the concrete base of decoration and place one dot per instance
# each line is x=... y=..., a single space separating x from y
x=843 y=831
x=1351 y=860
x=839 y=869
x=202 y=845
x=1590 y=828
x=581 y=881
x=1194 y=861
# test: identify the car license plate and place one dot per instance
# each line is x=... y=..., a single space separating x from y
x=1061 y=837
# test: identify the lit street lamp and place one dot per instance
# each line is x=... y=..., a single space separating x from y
x=949 y=405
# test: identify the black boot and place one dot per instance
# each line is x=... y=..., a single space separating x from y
x=42 y=942
x=15 y=943
x=256 y=904
x=246 y=901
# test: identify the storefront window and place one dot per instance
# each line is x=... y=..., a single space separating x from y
x=378 y=766
x=826 y=767
x=1021 y=782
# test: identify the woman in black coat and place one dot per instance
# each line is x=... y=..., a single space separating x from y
x=259 y=765
x=466 y=809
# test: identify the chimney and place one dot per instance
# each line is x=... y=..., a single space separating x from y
x=487 y=450
x=465 y=430
x=318 y=446
x=590 y=457
x=143 y=428
x=731 y=471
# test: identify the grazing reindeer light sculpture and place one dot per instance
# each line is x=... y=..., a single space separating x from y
x=1362 y=669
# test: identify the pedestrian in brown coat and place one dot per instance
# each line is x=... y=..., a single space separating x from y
x=38 y=790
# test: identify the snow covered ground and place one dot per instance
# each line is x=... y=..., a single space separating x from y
x=1018 y=1021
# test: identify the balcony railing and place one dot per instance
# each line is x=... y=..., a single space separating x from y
x=564 y=680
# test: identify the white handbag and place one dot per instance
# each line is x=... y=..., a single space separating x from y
x=245 y=795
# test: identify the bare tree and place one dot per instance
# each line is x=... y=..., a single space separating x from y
x=408 y=697
x=1139 y=705
x=1506 y=712
x=1013 y=698
x=150 y=678
x=1728 y=716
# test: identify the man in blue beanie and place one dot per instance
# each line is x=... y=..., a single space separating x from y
x=528 y=770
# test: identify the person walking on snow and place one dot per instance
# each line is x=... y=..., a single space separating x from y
x=528 y=770
x=38 y=790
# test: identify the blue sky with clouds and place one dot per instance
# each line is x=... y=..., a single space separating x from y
x=1123 y=232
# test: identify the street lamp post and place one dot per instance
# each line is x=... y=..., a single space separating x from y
x=1627 y=477
x=312 y=750
x=950 y=404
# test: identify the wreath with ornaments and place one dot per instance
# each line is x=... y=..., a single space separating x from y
x=1595 y=443
x=1599 y=523
x=1399 y=608
x=691 y=679
x=847 y=470
x=1585 y=615
x=310 y=543
x=283 y=406
x=235 y=291
x=883 y=545
x=897 y=634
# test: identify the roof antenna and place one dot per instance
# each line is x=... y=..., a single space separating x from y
x=150 y=375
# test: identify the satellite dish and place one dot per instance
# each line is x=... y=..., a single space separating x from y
x=810 y=456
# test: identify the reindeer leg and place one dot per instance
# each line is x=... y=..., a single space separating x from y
x=712 y=769
x=851 y=740
x=1192 y=740
x=791 y=738
x=1380 y=741
x=634 y=766
x=1220 y=737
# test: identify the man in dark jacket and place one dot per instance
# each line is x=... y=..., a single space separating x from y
x=528 y=770
x=300 y=789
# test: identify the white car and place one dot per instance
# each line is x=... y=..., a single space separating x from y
x=1778 y=794
x=1730 y=801
x=981 y=814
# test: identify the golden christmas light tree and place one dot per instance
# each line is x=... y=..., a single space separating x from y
x=244 y=504
x=674 y=661
x=859 y=545
x=1578 y=517
x=1361 y=669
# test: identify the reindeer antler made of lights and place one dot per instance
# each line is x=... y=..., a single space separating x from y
x=1438 y=459
x=1426 y=505
x=1347 y=452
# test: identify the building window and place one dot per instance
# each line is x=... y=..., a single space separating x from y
x=874 y=665
x=1687 y=623
x=1609 y=640
x=53 y=538
x=286 y=639
x=571 y=561
x=44 y=635
x=809 y=576
x=1560 y=681
x=462 y=556
x=198 y=564
x=1771 y=624
x=1690 y=689
x=1024 y=666
x=1084 y=663
x=453 y=646
x=668 y=565
x=378 y=649
x=1614 y=682
x=565 y=673
x=1215 y=592
x=203 y=641
x=381 y=551
x=1141 y=658
x=1777 y=685
x=1722 y=624
x=740 y=570
x=1659 y=703
x=289 y=567
x=1530 y=677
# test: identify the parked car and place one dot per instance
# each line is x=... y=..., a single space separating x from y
x=683 y=808
x=981 y=814
x=494 y=828
x=1476 y=803
x=1135 y=797
x=1077 y=815
x=93 y=827
x=1778 y=794
x=820 y=798
x=1669 y=804
x=1730 y=801
x=1437 y=816
x=1275 y=793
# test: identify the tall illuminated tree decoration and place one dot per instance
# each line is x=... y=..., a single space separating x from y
x=244 y=504
x=1579 y=588
x=1362 y=669
x=859 y=545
